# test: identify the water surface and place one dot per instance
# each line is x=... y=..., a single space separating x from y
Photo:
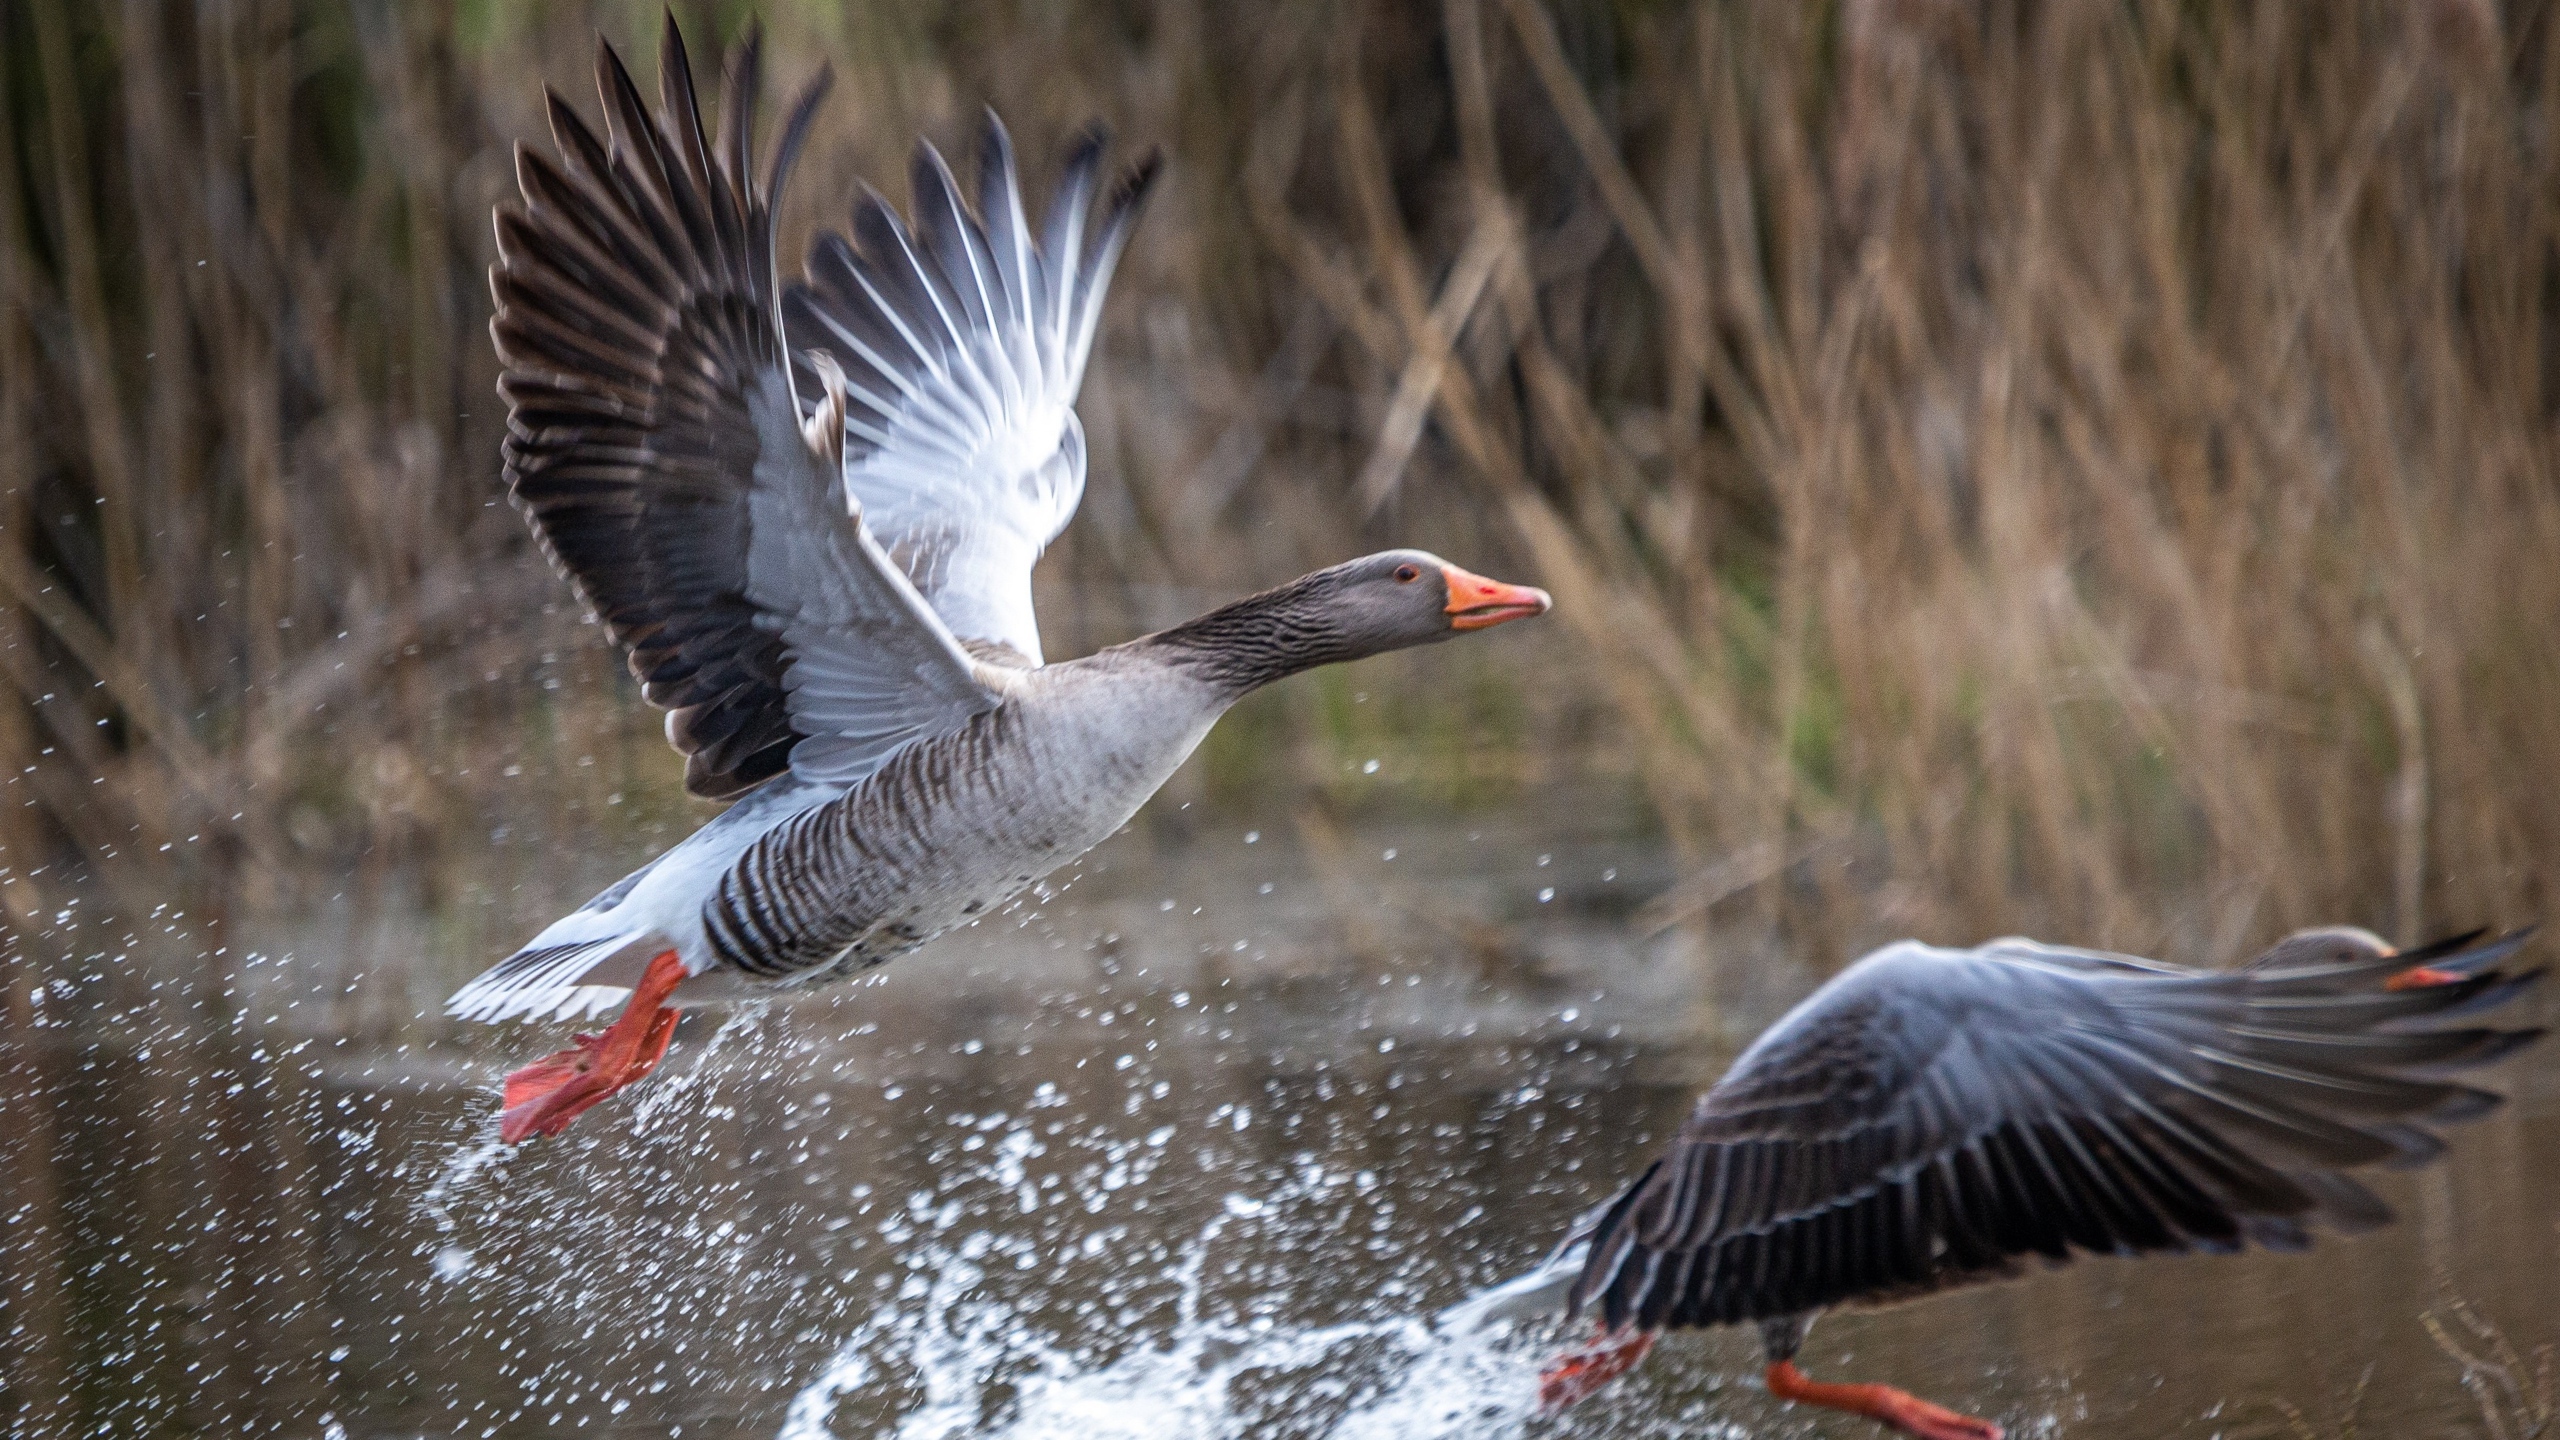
x=1122 y=1164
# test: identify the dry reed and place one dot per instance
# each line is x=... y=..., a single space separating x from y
x=2098 y=453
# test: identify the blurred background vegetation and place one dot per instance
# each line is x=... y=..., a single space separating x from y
x=2089 y=464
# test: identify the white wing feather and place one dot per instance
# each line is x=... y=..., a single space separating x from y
x=962 y=345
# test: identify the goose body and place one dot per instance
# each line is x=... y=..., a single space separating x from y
x=809 y=514
x=1932 y=1118
x=955 y=826
x=798 y=884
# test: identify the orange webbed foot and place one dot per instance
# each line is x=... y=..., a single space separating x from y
x=1899 y=1409
x=2419 y=977
x=1576 y=1374
x=543 y=1097
x=1915 y=1416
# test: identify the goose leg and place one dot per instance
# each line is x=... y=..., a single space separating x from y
x=543 y=1097
x=1572 y=1376
x=1899 y=1409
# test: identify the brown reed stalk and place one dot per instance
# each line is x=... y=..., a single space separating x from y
x=2100 y=454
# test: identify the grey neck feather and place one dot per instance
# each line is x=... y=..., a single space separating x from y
x=1261 y=638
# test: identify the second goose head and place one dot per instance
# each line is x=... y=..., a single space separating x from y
x=1393 y=600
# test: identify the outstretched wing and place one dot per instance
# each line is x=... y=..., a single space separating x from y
x=1933 y=1116
x=655 y=443
x=960 y=346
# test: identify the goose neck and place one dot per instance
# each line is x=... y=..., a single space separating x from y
x=1241 y=647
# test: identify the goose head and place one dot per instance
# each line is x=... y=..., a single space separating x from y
x=1393 y=600
x=1397 y=599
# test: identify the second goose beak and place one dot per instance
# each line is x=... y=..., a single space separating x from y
x=1476 y=602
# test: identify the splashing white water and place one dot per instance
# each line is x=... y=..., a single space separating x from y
x=1396 y=1379
x=436 y=1202
x=989 y=1368
x=691 y=1085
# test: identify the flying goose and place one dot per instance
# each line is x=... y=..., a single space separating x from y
x=809 y=515
x=1931 y=1117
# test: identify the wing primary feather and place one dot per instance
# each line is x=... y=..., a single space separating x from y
x=1063 y=245
x=1094 y=277
x=1008 y=232
x=795 y=131
x=926 y=397
x=701 y=198
x=861 y=348
x=633 y=137
x=741 y=89
x=578 y=145
x=955 y=250
x=877 y=226
x=952 y=236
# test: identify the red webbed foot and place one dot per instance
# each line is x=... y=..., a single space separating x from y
x=543 y=1097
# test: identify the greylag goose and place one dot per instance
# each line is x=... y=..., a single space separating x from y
x=1930 y=1118
x=809 y=515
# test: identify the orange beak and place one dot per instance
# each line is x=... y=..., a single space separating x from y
x=1476 y=603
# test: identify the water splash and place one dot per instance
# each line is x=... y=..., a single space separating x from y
x=470 y=1160
x=968 y=1363
x=691 y=1085
x=1211 y=1378
x=988 y=1368
x=460 y=1170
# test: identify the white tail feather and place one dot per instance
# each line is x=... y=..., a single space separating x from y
x=1535 y=1295
x=557 y=981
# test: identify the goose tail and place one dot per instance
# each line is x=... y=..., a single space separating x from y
x=560 y=976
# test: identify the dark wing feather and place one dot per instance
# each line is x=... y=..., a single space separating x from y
x=654 y=443
x=1932 y=1117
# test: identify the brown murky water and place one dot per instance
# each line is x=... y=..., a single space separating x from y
x=1079 y=1178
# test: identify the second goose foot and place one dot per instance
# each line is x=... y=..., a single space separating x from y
x=1898 y=1409
x=1578 y=1373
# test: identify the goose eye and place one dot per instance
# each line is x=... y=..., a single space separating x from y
x=1407 y=574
